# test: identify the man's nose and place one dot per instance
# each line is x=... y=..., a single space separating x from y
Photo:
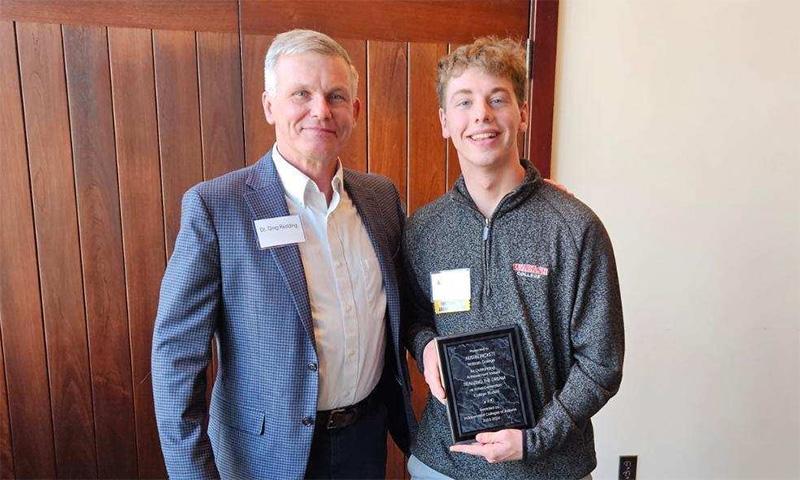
x=482 y=112
x=320 y=107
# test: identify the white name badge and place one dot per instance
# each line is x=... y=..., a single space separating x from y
x=450 y=291
x=273 y=232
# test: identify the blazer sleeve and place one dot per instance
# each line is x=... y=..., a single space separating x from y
x=419 y=327
x=189 y=304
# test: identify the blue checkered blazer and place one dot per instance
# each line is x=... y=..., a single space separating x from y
x=219 y=283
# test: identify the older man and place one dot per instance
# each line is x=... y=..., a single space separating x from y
x=290 y=264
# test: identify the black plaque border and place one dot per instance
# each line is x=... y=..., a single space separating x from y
x=513 y=334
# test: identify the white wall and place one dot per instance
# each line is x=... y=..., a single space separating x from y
x=678 y=122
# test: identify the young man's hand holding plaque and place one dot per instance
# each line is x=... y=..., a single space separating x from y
x=481 y=378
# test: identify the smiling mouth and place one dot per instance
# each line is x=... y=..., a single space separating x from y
x=319 y=130
x=482 y=136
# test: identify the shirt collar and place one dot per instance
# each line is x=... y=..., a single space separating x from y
x=298 y=186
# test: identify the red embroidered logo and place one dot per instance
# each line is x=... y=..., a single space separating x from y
x=528 y=270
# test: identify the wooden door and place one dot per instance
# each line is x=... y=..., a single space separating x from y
x=109 y=115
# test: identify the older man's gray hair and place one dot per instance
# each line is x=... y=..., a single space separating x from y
x=295 y=42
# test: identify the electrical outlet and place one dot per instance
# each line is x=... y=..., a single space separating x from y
x=627 y=467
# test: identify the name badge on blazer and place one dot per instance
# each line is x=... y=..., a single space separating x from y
x=274 y=232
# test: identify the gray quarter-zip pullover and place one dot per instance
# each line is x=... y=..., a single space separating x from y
x=544 y=262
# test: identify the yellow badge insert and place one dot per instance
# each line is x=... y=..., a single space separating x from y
x=450 y=290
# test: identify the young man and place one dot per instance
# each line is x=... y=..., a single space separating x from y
x=533 y=256
x=290 y=264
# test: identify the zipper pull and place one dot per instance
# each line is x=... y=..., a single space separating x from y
x=486 y=230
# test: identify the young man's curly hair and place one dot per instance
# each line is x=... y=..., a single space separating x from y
x=502 y=58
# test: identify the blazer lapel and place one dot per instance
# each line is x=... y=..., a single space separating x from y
x=366 y=205
x=266 y=199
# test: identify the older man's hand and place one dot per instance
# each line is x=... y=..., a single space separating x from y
x=559 y=186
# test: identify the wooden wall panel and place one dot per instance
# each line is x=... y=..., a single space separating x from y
x=259 y=135
x=177 y=97
x=135 y=120
x=220 y=103
x=396 y=20
x=354 y=154
x=387 y=120
x=53 y=189
x=427 y=162
x=205 y=15
x=387 y=111
x=20 y=308
x=91 y=118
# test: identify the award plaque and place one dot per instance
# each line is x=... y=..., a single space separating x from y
x=483 y=374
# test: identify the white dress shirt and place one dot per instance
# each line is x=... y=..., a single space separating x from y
x=345 y=287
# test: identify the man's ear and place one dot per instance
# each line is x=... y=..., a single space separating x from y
x=266 y=102
x=443 y=121
x=523 y=113
x=356 y=109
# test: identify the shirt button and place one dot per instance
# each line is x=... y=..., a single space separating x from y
x=312 y=367
x=308 y=421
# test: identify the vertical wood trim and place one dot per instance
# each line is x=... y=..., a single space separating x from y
x=178 y=107
x=354 y=154
x=91 y=118
x=427 y=162
x=544 y=25
x=220 y=103
x=259 y=135
x=20 y=301
x=387 y=85
x=54 y=203
x=133 y=94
